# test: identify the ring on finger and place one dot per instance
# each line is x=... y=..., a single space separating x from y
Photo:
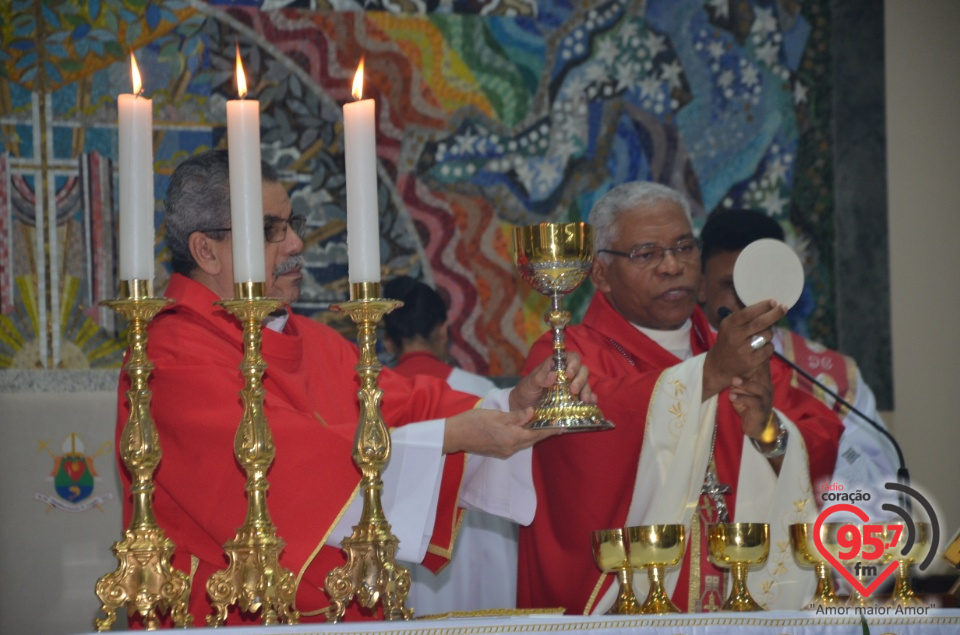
x=757 y=342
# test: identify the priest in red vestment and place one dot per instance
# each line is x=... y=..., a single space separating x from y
x=692 y=408
x=310 y=403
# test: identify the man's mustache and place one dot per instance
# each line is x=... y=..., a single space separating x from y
x=291 y=263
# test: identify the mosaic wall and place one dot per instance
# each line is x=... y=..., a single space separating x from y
x=490 y=114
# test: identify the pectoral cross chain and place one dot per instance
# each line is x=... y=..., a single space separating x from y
x=714 y=489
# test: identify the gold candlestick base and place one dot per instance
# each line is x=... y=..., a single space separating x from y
x=254 y=579
x=144 y=581
x=371 y=572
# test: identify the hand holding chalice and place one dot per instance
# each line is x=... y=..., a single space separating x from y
x=554 y=259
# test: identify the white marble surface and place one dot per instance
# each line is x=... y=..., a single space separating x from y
x=14 y=381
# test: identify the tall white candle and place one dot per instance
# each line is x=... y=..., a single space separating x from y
x=135 y=124
x=246 y=196
x=360 y=155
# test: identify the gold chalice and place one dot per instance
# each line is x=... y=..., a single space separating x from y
x=739 y=546
x=840 y=539
x=903 y=594
x=807 y=555
x=554 y=259
x=656 y=548
x=610 y=554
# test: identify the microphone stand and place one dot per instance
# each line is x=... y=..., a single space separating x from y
x=903 y=475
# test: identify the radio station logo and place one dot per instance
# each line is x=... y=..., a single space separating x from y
x=870 y=550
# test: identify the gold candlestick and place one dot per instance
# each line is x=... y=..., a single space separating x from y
x=254 y=579
x=371 y=572
x=144 y=581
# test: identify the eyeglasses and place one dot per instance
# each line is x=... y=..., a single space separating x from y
x=274 y=229
x=649 y=256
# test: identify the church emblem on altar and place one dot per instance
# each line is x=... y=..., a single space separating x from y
x=74 y=476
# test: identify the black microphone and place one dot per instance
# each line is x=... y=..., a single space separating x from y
x=903 y=476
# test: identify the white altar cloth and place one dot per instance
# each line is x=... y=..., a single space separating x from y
x=934 y=622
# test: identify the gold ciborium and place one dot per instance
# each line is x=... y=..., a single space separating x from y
x=656 y=548
x=739 y=546
x=903 y=594
x=610 y=554
x=807 y=555
x=554 y=259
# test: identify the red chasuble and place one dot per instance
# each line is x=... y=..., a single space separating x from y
x=586 y=481
x=422 y=363
x=312 y=408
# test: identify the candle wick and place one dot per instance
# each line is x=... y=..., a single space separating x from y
x=139 y=92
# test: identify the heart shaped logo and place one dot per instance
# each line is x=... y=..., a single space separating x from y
x=849 y=577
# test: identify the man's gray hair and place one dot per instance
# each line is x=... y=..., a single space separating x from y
x=198 y=198
x=624 y=198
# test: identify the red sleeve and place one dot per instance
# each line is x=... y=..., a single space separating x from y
x=430 y=398
x=819 y=426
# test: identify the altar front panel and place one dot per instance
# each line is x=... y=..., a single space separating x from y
x=933 y=622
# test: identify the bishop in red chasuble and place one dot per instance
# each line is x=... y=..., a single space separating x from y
x=690 y=408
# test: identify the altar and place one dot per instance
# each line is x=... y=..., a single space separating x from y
x=932 y=622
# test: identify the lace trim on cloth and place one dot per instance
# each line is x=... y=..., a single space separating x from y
x=492 y=613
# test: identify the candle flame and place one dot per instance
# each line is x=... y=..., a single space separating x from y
x=241 y=78
x=358 y=82
x=135 y=75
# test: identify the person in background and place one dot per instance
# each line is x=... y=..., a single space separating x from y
x=418 y=335
x=482 y=573
x=866 y=458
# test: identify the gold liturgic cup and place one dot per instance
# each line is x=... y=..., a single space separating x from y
x=656 y=548
x=554 y=259
x=837 y=538
x=807 y=555
x=739 y=546
x=610 y=554
x=903 y=593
